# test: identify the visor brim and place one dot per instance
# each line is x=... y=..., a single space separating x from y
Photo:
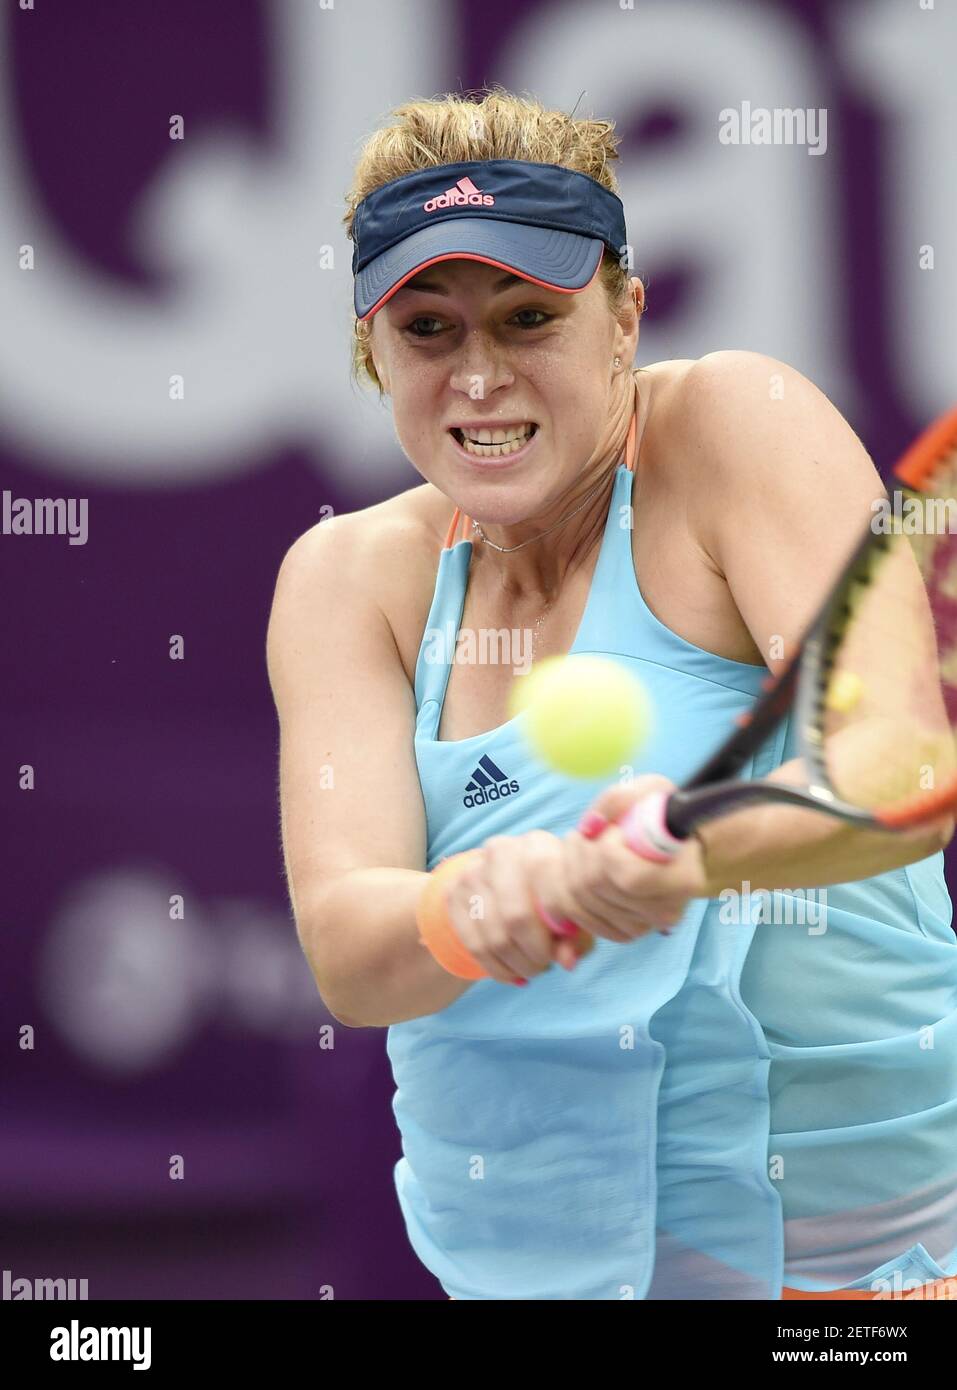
x=560 y=261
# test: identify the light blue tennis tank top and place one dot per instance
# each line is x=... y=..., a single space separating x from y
x=705 y=1115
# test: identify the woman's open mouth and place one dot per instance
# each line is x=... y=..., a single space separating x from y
x=494 y=446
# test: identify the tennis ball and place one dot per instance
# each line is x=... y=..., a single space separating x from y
x=585 y=715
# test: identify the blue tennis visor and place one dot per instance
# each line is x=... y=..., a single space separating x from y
x=545 y=223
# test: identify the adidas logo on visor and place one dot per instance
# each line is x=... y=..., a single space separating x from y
x=464 y=194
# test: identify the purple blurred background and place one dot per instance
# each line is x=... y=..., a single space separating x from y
x=220 y=258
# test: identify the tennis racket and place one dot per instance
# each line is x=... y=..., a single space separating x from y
x=873 y=685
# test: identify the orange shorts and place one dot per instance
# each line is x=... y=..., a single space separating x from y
x=937 y=1288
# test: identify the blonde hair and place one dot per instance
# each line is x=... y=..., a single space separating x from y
x=452 y=129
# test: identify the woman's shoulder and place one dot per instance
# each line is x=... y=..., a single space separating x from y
x=720 y=384
x=724 y=418
x=692 y=396
x=734 y=388
x=386 y=554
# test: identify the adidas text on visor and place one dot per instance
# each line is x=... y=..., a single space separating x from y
x=547 y=224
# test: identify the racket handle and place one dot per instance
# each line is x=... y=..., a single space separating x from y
x=645 y=829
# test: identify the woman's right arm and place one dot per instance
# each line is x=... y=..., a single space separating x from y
x=353 y=819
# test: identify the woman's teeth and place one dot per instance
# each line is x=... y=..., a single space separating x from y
x=495 y=443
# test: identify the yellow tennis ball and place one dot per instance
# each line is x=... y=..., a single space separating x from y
x=585 y=715
x=844 y=692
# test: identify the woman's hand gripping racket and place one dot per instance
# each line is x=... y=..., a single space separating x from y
x=873 y=685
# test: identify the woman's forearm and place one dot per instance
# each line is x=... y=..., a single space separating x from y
x=362 y=944
x=778 y=846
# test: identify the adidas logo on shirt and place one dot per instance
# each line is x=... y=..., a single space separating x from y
x=488 y=783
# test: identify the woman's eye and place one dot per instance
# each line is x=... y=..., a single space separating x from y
x=422 y=318
x=542 y=316
x=414 y=330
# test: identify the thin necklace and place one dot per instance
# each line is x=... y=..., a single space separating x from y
x=507 y=549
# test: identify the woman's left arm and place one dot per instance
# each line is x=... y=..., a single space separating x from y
x=783 y=488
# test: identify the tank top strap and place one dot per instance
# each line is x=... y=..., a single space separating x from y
x=434 y=662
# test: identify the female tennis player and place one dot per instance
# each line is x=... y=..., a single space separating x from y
x=711 y=1103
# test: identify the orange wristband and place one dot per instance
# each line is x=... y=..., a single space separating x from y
x=435 y=928
x=440 y=937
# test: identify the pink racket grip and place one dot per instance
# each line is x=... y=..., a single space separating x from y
x=645 y=830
